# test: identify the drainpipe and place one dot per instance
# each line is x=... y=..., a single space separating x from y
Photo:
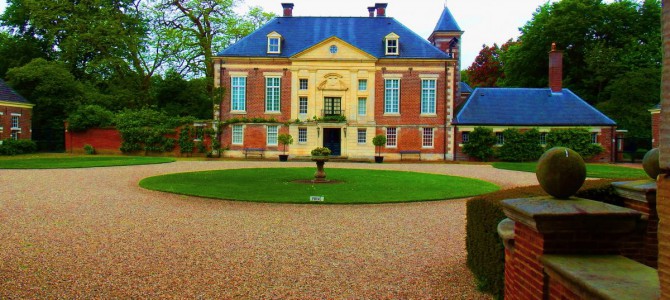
x=446 y=102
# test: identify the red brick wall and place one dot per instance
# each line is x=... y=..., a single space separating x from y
x=643 y=246
x=655 y=129
x=25 y=122
x=411 y=138
x=104 y=140
x=558 y=291
x=255 y=136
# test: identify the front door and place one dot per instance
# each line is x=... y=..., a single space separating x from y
x=332 y=140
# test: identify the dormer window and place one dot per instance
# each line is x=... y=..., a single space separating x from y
x=392 y=44
x=274 y=42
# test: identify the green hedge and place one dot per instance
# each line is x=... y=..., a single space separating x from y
x=486 y=257
x=520 y=146
x=14 y=147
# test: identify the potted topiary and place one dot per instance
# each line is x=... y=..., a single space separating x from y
x=320 y=156
x=284 y=139
x=379 y=141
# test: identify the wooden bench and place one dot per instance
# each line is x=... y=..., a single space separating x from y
x=254 y=151
x=410 y=152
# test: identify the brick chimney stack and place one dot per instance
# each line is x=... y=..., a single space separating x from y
x=555 y=69
x=381 y=9
x=288 y=9
x=371 y=10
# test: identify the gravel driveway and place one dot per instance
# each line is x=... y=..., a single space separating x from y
x=93 y=233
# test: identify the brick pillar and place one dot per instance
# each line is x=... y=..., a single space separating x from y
x=663 y=209
x=544 y=225
x=640 y=195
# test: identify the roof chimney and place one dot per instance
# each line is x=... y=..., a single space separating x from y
x=371 y=10
x=555 y=69
x=288 y=9
x=381 y=9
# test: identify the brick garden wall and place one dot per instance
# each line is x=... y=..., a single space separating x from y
x=104 y=140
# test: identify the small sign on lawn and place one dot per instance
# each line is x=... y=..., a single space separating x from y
x=316 y=198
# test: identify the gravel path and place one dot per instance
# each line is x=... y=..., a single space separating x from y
x=93 y=233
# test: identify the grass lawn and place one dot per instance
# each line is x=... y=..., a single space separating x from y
x=357 y=186
x=592 y=170
x=51 y=161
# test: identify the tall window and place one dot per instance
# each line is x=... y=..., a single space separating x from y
x=465 y=137
x=303 y=84
x=302 y=135
x=272 y=132
x=391 y=47
x=274 y=45
x=302 y=107
x=428 y=96
x=238 y=134
x=15 y=122
x=391 y=137
x=14 y=135
x=543 y=138
x=362 y=106
x=272 y=90
x=332 y=106
x=500 y=138
x=392 y=96
x=428 y=137
x=238 y=93
x=362 y=84
x=594 y=137
x=362 y=135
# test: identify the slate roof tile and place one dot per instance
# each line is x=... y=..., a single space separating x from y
x=7 y=94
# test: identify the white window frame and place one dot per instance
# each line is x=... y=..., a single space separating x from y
x=16 y=122
x=237 y=135
x=272 y=134
x=543 y=138
x=428 y=137
x=362 y=106
x=238 y=93
x=300 y=84
x=362 y=84
x=465 y=137
x=392 y=46
x=392 y=137
x=271 y=45
x=428 y=97
x=594 y=138
x=302 y=135
x=392 y=96
x=302 y=109
x=362 y=136
x=272 y=91
x=14 y=134
x=500 y=138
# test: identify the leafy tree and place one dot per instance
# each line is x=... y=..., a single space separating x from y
x=480 y=144
x=180 y=97
x=576 y=139
x=90 y=116
x=520 y=146
x=17 y=51
x=487 y=69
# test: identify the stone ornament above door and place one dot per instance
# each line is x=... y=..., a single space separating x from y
x=333 y=82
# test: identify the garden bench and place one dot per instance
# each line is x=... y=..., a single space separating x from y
x=410 y=152
x=254 y=151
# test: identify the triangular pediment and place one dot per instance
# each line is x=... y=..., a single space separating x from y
x=333 y=48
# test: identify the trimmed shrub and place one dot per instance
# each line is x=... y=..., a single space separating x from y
x=486 y=256
x=88 y=149
x=14 y=147
x=520 y=146
x=577 y=139
x=480 y=144
x=185 y=141
x=147 y=130
x=90 y=116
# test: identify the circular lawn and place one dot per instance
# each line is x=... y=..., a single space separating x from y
x=353 y=186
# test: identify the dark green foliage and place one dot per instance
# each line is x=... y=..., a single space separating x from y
x=576 y=139
x=486 y=256
x=379 y=141
x=480 y=144
x=202 y=148
x=520 y=146
x=147 y=130
x=14 y=147
x=89 y=149
x=90 y=116
x=177 y=96
x=185 y=141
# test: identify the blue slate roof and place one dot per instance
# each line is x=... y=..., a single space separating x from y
x=529 y=107
x=447 y=23
x=464 y=87
x=365 y=33
x=7 y=94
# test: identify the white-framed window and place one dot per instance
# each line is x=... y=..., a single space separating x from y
x=543 y=138
x=594 y=137
x=465 y=137
x=362 y=136
x=362 y=106
x=302 y=135
x=427 y=139
x=302 y=106
x=272 y=93
x=238 y=93
x=500 y=138
x=238 y=135
x=14 y=135
x=304 y=83
x=274 y=45
x=15 y=122
x=428 y=89
x=392 y=96
x=272 y=133
x=392 y=46
x=362 y=84
x=391 y=137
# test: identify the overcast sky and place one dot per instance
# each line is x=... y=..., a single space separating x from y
x=484 y=21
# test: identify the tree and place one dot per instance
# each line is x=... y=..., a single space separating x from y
x=487 y=69
x=480 y=144
x=17 y=51
x=177 y=96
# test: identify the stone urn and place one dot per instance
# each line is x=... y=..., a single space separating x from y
x=320 y=175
